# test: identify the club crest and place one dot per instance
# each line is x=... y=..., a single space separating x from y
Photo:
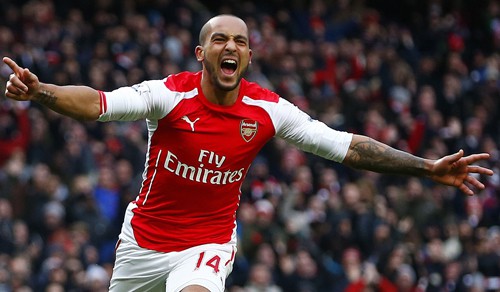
x=248 y=129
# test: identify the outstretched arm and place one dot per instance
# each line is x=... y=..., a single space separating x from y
x=453 y=170
x=78 y=102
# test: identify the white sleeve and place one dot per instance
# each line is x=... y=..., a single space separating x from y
x=298 y=128
x=146 y=100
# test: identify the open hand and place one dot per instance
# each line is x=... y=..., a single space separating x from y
x=456 y=170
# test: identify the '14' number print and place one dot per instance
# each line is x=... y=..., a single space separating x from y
x=213 y=262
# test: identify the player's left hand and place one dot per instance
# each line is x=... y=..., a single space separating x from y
x=456 y=170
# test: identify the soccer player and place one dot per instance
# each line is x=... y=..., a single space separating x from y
x=205 y=129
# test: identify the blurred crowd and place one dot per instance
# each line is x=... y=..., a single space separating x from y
x=422 y=76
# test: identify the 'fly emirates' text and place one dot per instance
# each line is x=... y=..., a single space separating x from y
x=200 y=173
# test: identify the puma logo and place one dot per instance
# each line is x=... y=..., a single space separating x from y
x=191 y=123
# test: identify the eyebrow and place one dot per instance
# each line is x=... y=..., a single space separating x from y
x=224 y=35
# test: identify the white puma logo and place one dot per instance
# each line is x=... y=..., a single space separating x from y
x=185 y=118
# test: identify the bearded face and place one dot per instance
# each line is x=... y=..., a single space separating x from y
x=225 y=52
x=224 y=81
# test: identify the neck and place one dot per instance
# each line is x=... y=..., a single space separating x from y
x=216 y=95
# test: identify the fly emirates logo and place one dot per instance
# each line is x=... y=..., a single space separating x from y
x=208 y=171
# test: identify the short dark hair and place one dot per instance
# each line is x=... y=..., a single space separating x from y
x=206 y=28
x=203 y=32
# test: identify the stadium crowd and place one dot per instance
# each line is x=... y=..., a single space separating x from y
x=422 y=76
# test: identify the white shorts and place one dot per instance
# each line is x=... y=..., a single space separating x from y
x=139 y=269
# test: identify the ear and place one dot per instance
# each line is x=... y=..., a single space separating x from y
x=250 y=56
x=198 y=51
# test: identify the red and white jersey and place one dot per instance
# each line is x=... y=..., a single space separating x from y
x=199 y=153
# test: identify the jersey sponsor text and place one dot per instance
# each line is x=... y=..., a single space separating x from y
x=201 y=173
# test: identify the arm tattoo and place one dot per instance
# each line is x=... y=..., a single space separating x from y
x=375 y=156
x=46 y=98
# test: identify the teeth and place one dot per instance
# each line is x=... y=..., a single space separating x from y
x=230 y=61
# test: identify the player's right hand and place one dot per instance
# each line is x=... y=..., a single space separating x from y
x=22 y=84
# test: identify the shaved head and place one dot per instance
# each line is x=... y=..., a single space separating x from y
x=207 y=27
x=225 y=54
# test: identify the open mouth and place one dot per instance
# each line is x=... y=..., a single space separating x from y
x=229 y=66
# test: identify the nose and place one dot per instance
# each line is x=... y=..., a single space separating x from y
x=231 y=45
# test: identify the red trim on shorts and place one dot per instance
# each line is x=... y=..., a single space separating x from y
x=232 y=257
x=117 y=244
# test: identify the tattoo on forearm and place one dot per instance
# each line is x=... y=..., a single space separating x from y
x=46 y=98
x=375 y=156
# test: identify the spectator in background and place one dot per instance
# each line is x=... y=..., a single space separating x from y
x=6 y=227
x=371 y=280
x=260 y=279
x=14 y=131
x=406 y=279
